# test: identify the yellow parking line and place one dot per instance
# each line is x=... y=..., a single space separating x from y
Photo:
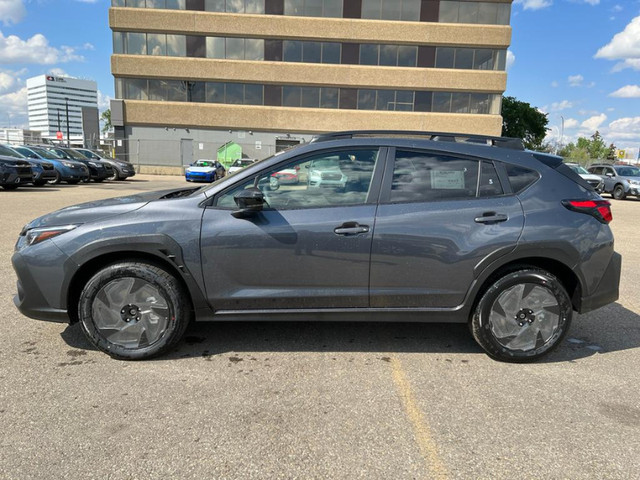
x=421 y=430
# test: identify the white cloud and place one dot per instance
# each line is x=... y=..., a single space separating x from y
x=533 y=4
x=11 y=11
x=633 y=63
x=36 y=49
x=555 y=84
x=14 y=108
x=623 y=45
x=628 y=91
x=593 y=123
x=625 y=129
x=104 y=101
x=559 y=106
x=571 y=123
x=575 y=80
x=511 y=59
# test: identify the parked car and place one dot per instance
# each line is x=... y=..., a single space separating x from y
x=240 y=164
x=68 y=171
x=619 y=180
x=121 y=169
x=42 y=171
x=594 y=180
x=510 y=241
x=287 y=176
x=204 y=171
x=98 y=171
x=326 y=173
x=14 y=172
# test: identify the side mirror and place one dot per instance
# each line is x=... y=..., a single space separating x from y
x=610 y=175
x=249 y=202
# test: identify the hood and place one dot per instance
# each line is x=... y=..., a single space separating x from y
x=201 y=169
x=590 y=176
x=635 y=179
x=101 y=209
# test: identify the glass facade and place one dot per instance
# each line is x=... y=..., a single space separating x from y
x=306 y=97
x=253 y=49
x=448 y=11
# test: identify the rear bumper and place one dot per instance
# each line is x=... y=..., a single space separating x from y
x=608 y=289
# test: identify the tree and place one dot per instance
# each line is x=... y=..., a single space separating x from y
x=106 y=118
x=521 y=120
x=592 y=148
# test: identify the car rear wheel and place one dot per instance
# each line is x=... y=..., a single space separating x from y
x=134 y=311
x=619 y=193
x=522 y=316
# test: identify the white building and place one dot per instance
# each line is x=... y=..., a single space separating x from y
x=19 y=136
x=47 y=100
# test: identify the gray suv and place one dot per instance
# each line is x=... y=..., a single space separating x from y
x=424 y=227
x=619 y=180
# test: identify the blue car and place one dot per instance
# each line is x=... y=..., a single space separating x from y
x=204 y=171
x=68 y=171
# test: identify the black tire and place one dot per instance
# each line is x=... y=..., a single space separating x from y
x=73 y=182
x=10 y=187
x=619 y=193
x=114 y=177
x=39 y=183
x=524 y=327
x=54 y=181
x=98 y=180
x=103 y=323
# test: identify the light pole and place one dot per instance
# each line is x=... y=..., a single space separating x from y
x=66 y=102
x=562 y=131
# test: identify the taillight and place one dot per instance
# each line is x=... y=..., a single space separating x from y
x=599 y=209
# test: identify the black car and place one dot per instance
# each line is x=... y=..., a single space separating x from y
x=69 y=171
x=121 y=169
x=98 y=170
x=421 y=227
x=14 y=172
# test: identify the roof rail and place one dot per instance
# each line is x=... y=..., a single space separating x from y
x=500 y=142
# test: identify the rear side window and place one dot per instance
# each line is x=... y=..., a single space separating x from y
x=597 y=170
x=520 y=177
x=489 y=184
x=426 y=177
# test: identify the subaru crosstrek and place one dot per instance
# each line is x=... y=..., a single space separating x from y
x=425 y=227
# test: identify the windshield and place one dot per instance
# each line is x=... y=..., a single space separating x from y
x=9 y=152
x=89 y=154
x=578 y=169
x=45 y=153
x=204 y=163
x=75 y=155
x=628 y=171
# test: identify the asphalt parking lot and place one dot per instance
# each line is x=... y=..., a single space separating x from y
x=315 y=400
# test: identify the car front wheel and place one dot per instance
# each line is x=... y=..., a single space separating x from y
x=522 y=316
x=619 y=193
x=134 y=311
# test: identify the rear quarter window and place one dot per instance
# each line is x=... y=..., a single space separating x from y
x=521 y=177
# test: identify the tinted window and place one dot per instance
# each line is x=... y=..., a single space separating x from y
x=521 y=177
x=330 y=179
x=425 y=177
x=628 y=171
x=489 y=184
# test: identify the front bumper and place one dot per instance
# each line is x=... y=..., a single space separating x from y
x=39 y=287
x=634 y=190
x=608 y=289
x=200 y=177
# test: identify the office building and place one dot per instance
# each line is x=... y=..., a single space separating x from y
x=49 y=98
x=192 y=75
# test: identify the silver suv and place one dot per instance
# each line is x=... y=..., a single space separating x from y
x=619 y=180
x=425 y=227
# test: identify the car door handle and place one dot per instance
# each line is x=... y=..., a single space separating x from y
x=491 y=217
x=351 y=228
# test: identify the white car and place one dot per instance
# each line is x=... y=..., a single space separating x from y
x=240 y=164
x=594 y=180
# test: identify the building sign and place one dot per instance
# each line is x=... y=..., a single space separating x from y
x=55 y=79
x=59 y=135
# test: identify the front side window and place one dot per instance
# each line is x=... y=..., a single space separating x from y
x=330 y=179
x=427 y=177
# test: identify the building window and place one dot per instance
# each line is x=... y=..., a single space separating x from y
x=313 y=8
x=234 y=6
x=406 y=10
x=311 y=52
x=469 y=58
x=393 y=100
x=485 y=13
x=165 y=4
x=389 y=55
x=235 y=48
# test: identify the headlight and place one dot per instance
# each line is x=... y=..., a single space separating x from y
x=67 y=164
x=37 y=235
x=634 y=182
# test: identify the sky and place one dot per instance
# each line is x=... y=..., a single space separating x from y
x=576 y=60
